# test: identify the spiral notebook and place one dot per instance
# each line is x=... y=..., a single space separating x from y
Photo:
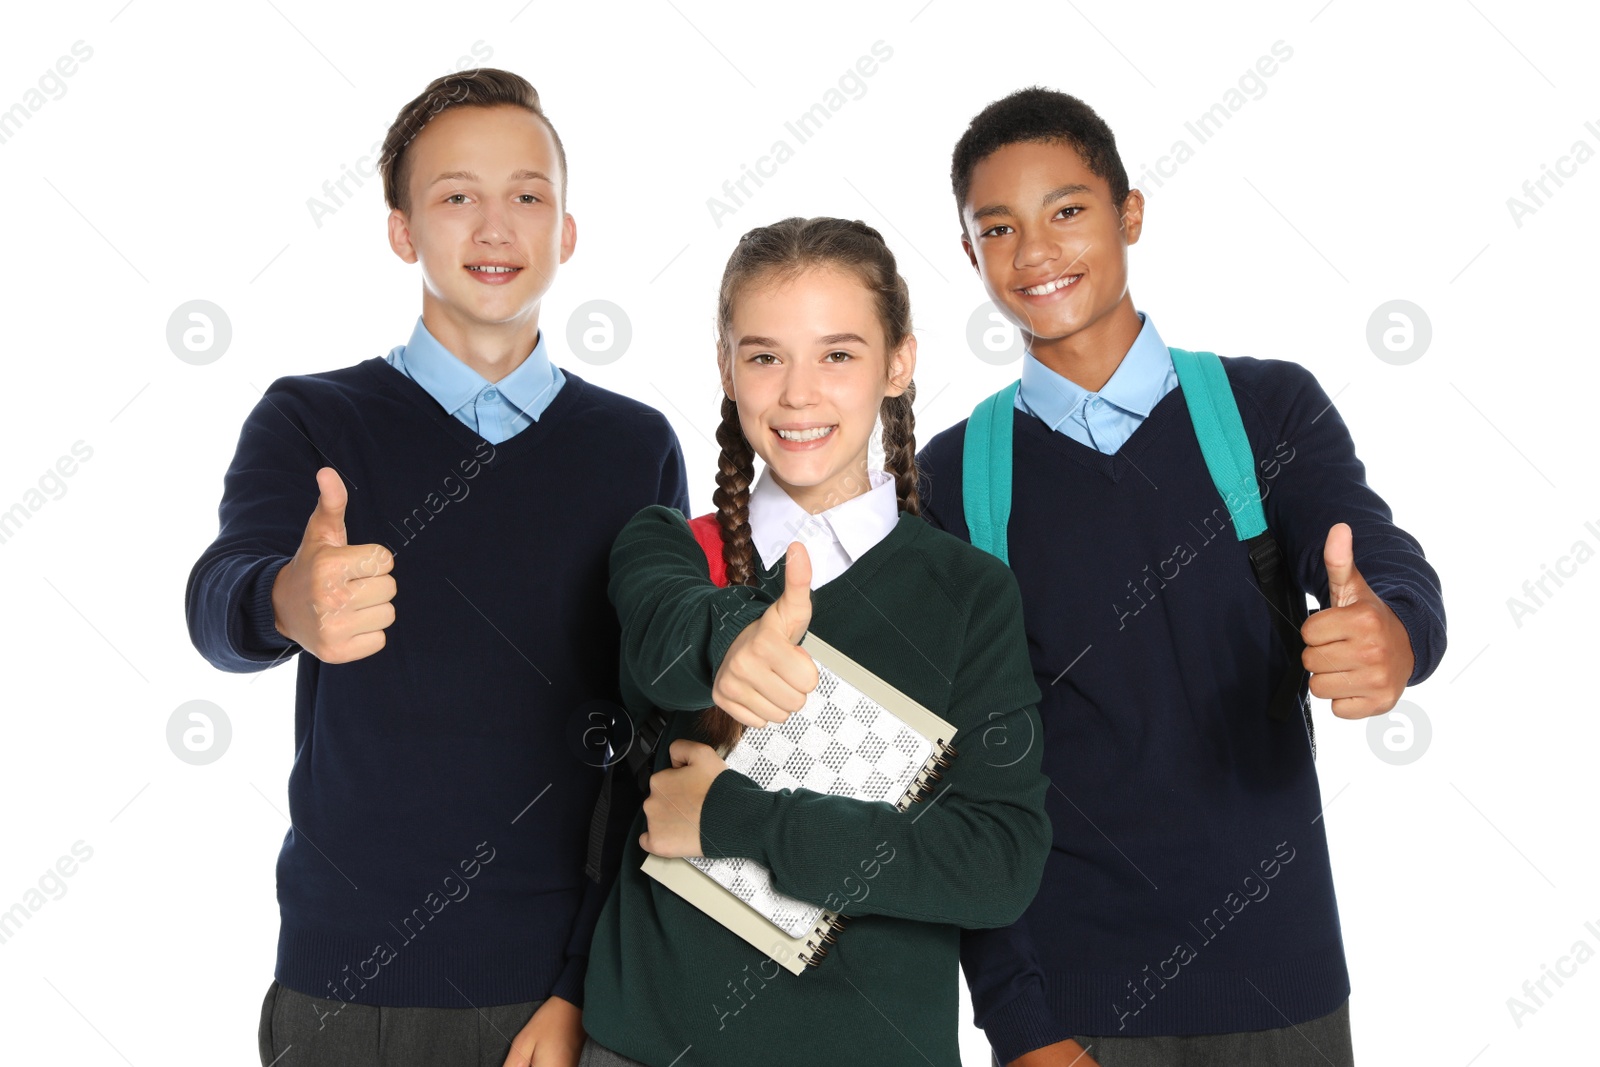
x=857 y=736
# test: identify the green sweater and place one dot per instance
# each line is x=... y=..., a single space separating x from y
x=939 y=620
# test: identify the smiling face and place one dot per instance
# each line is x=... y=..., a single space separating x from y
x=807 y=369
x=486 y=219
x=1052 y=247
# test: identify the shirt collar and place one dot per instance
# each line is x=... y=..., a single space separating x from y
x=453 y=384
x=856 y=524
x=1135 y=386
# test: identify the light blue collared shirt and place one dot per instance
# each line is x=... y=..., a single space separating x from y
x=495 y=411
x=1102 y=420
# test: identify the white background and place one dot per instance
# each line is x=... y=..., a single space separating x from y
x=177 y=165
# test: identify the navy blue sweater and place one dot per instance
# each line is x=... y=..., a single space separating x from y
x=441 y=787
x=1188 y=889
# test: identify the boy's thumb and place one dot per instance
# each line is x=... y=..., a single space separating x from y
x=796 y=597
x=327 y=520
x=1339 y=557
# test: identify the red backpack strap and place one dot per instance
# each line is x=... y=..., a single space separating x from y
x=708 y=532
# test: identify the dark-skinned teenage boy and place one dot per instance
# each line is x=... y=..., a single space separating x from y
x=1187 y=912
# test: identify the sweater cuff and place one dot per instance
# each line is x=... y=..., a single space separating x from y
x=569 y=985
x=1410 y=615
x=260 y=632
x=733 y=818
x=731 y=626
x=1023 y=1024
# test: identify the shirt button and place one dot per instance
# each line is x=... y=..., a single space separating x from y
x=490 y=394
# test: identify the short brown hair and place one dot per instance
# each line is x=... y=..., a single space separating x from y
x=477 y=87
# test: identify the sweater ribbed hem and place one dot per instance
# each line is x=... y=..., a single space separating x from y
x=1219 y=1002
x=423 y=973
x=569 y=983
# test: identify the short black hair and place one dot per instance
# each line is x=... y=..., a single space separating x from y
x=1037 y=114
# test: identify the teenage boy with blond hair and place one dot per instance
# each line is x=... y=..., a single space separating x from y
x=430 y=912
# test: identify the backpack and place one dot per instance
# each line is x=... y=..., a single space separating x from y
x=1214 y=413
x=639 y=757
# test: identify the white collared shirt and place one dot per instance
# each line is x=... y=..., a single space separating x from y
x=834 y=538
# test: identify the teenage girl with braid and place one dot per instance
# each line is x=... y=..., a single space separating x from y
x=814 y=345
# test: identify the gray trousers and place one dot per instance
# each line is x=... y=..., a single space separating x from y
x=597 y=1055
x=1323 y=1042
x=304 y=1031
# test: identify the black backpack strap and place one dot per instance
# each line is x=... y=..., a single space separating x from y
x=1288 y=615
x=598 y=822
x=638 y=758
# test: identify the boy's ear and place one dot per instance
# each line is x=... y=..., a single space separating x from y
x=569 y=237
x=400 y=236
x=966 y=246
x=1133 y=215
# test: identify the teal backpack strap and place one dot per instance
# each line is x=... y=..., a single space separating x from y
x=986 y=471
x=1215 y=415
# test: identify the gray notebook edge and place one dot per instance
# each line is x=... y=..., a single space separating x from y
x=720 y=903
x=705 y=893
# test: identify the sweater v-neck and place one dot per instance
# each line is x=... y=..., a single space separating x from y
x=1116 y=465
x=397 y=384
x=860 y=572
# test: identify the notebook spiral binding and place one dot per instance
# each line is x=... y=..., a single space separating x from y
x=826 y=931
x=943 y=753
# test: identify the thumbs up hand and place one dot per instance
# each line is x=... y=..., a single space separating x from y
x=765 y=675
x=1357 y=650
x=333 y=598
